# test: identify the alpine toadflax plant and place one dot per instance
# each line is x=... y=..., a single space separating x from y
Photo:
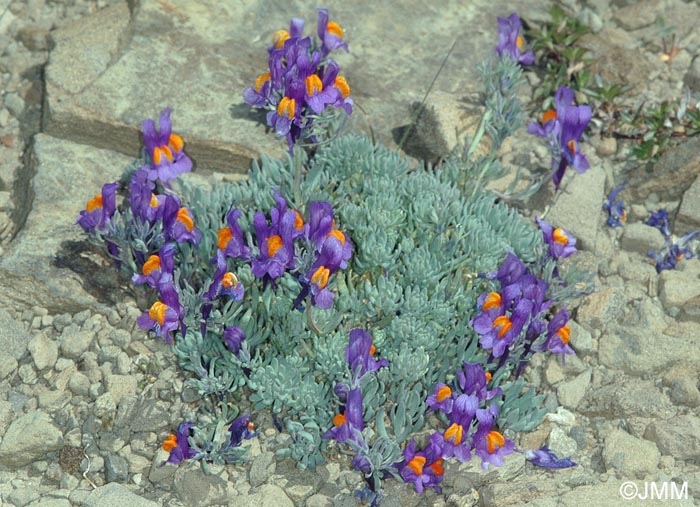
x=301 y=81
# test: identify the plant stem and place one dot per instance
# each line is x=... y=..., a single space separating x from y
x=298 y=162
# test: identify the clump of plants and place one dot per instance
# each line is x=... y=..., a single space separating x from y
x=346 y=292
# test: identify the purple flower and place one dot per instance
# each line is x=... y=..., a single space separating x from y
x=348 y=423
x=225 y=283
x=282 y=38
x=144 y=203
x=178 y=223
x=165 y=149
x=617 y=215
x=441 y=399
x=164 y=315
x=424 y=469
x=360 y=355
x=564 y=128
x=178 y=445
x=473 y=380
x=330 y=33
x=510 y=42
x=100 y=209
x=156 y=266
x=559 y=334
x=276 y=241
x=561 y=243
x=325 y=265
x=230 y=238
x=456 y=442
x=659 y=219
x=233 y=338
x=241 y=428
x=500 y=331
x=510 y=271
x=490 y=445
x=673 y=251
x=547 y=459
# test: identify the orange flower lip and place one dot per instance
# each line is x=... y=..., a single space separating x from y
x=274 y=243
x=559 y=236
x=494 y=440
x=454 y=432
x=223 y=237
x=339 y=420
x=170 y=443
x=564 y=333
x=157 y=312
x=503 y=322
x=261 y=80
x=94 y=203
x=151 y=265
x=493 y=300
x=335 y=29
x=320 y=276
x=443 y=393
x=417 y=464
x=183 y=216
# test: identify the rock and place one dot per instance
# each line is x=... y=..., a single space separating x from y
x=120 y=386
x=640 y=238
x=267 y=495
x=581 y=339
x=34 y=38
x=561 y=443
x=684 y=391
x=261 y=469
x=627 y=398
x=441 y=124
x=104 y=407
x=15 y=104
x=29 y=437
x=677 y=287
x=116 y=495
x=13 y=337
x=116 y=468
x=692 y=77
x=7 y=414
x=607 y=494
x=51 y=502
x=571 y=392
x=678 y=437
x=74 y=344
x=195 y=488
x=319 y=500
x=638 y=15
x=159 y=471
x=674 y=173
x=688 y=216
x=632 y=457
x=8 y=365
x=79 y=384
x=29 y=274
x=586 y=190
x=44 y=351
x=601 y=309
x=22 y=496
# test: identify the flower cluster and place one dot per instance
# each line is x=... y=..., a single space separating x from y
x=513 y=319
x=563 y=128
x=675 y=248
x=617 y=215
x=348 y=423
x=510 y=42
x=301 y=81
x=180 y=444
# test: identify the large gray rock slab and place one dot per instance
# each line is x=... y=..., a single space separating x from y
x=65 y=176
x=28 y=439
x=156 y=54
